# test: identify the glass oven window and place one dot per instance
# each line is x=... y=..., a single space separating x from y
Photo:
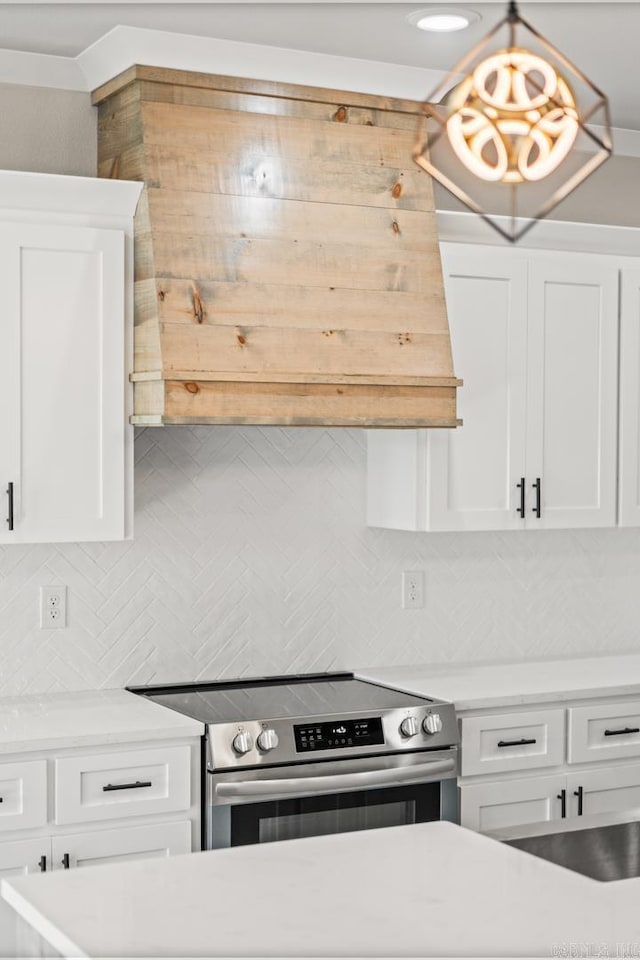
x=267 y=821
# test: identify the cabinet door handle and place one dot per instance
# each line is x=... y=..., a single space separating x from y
x=516 y=743
x=579 y=794
x=562 y=796
x=520 y=486
x=621 y=733
x=10 y=498
x=65 y=861
x=126 y=786
x=42 y=863
x=537 y=510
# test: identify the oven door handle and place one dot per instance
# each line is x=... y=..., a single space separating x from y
x=313 y=786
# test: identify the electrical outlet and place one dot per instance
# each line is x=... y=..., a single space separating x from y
x=53 y=608
x=412 y=589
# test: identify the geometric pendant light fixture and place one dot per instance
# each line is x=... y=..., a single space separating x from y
x=514 y=128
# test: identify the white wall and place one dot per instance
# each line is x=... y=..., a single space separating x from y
x=251 y=556
x=47 y=131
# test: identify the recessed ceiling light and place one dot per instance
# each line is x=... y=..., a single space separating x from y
x=443 y=19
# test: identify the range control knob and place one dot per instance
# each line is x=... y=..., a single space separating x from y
x=242 y=742
x=432 y=723
x=409 y=727
x=267 y=740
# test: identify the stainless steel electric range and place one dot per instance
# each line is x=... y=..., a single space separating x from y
x=305 y=755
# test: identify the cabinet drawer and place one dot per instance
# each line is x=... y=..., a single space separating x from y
x=607 y=732
x=512 y=741
x=23 y=795
x=127 y=784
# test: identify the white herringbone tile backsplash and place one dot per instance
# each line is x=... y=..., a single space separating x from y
x=251 y=556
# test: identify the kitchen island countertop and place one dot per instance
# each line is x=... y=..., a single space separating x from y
x=433 y=889
x=473 y=686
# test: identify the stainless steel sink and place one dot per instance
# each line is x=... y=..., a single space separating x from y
x=599 y=847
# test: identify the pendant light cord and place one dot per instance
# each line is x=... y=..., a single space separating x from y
x=512 y=14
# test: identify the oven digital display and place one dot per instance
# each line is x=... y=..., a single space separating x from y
x=338 y=735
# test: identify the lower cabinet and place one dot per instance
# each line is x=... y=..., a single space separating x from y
x=67 y=852
x=511 y=803
x=17 y=858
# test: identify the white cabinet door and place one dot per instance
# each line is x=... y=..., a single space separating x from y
x=573 y=390
x=62 y=383
x=605 y=790
x=629 y=491
x=116 y=846
x=511 y=803
x=473 y=471
x=535 y=339
x=465 y=479
x=17 y=859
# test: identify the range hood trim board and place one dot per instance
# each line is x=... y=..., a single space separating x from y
x=287 y=261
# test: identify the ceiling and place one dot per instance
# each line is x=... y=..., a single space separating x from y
x=601 y=38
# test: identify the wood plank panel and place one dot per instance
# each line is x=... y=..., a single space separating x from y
x=175 y=212
x=282 y=262
x=287 y=265
x=296 y=404
x=328 y=351
x=270 y=88
x=201 y=130
x=279 y=106
x=250 y=174
x=267 y=304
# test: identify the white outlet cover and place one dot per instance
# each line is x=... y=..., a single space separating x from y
x=412 y=589
x=53 y=607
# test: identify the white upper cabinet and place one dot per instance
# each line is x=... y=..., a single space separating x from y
x=65 y=443
x=535 y=338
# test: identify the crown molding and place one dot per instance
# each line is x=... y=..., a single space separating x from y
x=122 y=47
x=455 y=227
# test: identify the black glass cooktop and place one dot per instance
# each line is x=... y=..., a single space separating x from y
x=281 y=697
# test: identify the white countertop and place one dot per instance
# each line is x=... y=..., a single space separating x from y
x=471 y=686
x=434 y=889
x=57 y=720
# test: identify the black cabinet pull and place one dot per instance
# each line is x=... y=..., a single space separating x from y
x=10 y=496
x=562 y=796
x=65 y=861
x=42 y=863
x=520 y=486
x=1 y=799
x=621 y=733
x=537 y=510
x=579 y=794
x=516 y=743
x=126 y=786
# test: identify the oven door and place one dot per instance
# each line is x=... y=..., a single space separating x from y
x=307 y=800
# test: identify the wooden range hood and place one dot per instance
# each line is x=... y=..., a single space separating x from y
x=287 y=263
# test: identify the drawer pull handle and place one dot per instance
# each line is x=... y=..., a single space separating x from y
x=562 y=796
x=65 y=861
x=621 y=733
x=42 y=863
x=126 y=786
x=579 y=793
x=10 y=505
x=537 y=510
x=516 y=743
x=520 y=486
